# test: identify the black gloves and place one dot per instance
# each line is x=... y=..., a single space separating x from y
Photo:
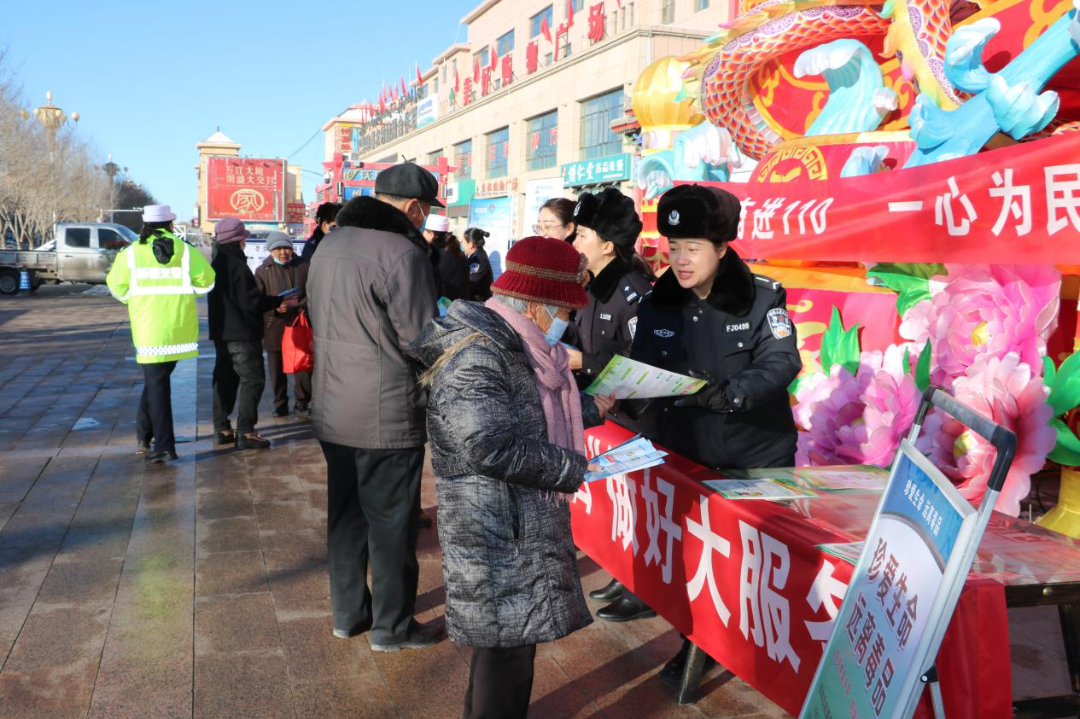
x=712 y=396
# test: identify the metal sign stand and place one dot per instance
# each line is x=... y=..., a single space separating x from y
x=1004 y=441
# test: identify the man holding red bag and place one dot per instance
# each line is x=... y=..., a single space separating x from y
x=283 y=270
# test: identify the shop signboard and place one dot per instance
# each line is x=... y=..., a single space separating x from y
x=250 y=189
x=615 y=168
x=497 y=188
x=897 y=605
x=295 y=213
x=427 y=110
x=495 y=215
x=537 y=192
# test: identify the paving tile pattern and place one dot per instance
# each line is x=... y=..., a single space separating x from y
x=199 y=588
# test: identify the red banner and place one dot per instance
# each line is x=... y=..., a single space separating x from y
x=1020 y=204
x=747 y=583
x=246 y=188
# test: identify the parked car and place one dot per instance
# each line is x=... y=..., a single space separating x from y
x=78 y=252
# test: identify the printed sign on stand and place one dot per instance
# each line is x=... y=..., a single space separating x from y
x=898 y=602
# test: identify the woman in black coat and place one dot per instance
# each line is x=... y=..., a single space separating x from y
x=480 y=274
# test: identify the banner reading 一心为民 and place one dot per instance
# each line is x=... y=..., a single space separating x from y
x=1020 y=204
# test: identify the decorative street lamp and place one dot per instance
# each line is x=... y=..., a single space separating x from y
x=52 y=119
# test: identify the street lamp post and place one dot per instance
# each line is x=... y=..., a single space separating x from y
x=52 y=118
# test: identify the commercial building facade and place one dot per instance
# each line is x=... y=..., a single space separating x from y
x=525 y=108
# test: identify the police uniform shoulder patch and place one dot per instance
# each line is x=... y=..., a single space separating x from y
x=767 y=282
x=779 y=323
x=630 y=294
x=632 y=324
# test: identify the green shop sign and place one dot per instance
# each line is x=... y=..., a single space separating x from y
x=603 y=169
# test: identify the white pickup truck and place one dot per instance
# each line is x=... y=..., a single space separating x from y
x=78 y=252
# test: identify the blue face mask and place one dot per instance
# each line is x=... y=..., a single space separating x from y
x=278 y=261
x=556 y=329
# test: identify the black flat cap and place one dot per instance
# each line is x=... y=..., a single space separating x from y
x=409 y=180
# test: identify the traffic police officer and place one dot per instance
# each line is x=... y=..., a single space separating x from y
x=709 y=316
x=607 y=229
x=158 y=278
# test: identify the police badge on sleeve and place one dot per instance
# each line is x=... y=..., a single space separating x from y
x=779 y=323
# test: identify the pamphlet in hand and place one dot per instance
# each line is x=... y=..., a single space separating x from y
x=757 y=489
x=291 y=292
x=630 y=379
x=630 y=456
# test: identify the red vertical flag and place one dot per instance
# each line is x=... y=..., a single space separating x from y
x=404 y=91
x=419 y=77
x=476 y=70
x=569 y=14
x=457 y=83
x=545 y=29
x=494 y=59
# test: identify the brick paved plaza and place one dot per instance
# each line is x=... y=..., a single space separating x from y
x=199 y=588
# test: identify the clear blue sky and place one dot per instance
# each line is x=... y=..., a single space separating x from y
x=150 y=79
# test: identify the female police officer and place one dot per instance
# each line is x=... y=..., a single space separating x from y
x=607 y=229
x=711 y=317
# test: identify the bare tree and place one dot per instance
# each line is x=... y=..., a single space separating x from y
x=39 y=187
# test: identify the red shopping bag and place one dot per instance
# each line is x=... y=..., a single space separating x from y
x=298 y=346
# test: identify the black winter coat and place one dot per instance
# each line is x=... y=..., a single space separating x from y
x=508 y=556
x=741 y=333
x=236 y=305
x=606 y=327
x=480 y=275
x=273 y=279
x=451 y=272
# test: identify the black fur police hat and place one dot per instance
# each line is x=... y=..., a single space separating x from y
x=698 y=212
x=611 y=215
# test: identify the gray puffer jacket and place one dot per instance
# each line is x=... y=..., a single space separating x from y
x=509 y=563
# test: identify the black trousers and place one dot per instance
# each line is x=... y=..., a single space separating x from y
x=238 y=368
x=500 y=683
x=279 y=381
x=373 y=512
x=154 y=419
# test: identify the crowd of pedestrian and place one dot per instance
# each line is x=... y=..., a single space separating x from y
x=493 y=389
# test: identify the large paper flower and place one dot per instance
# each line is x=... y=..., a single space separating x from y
x=983 y=312
x=860 y=419
x=1010 y=393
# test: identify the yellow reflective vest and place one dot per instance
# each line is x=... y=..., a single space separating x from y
x=161 y=298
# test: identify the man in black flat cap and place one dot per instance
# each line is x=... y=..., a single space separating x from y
x=371 y=290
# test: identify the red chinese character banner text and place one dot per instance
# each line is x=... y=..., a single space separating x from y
x=747 y=583
x=246 y=188
x=1019 y=204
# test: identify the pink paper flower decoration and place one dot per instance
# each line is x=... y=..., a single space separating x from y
x=986 y=311
x=860 y=419
x=1010 y=393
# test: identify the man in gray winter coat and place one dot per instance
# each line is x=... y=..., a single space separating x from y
x=371 y=291
x=507 y=443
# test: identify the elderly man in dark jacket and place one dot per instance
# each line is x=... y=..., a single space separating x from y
x=371 y=291
x=507 y=443
x=236 y=308
x=281 y=271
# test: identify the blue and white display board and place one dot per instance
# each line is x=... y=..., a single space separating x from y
x=496 y=215
x=900 y=599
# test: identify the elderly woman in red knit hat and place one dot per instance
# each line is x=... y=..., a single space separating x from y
x=506 y=426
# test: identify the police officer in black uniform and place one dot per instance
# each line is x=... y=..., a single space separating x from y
x=608 y=227
x=711 y=317
x=607 y=230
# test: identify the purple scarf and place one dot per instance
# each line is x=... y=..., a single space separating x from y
x=554 y=380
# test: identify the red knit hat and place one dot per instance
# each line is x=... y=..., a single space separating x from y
x=544 y=270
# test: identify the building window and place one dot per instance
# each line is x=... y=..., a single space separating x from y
x=483 y=57
x=435 y=89
x=463 y=160
x=700 y=5
x=434 y=157
x=498 y=153
x=597 y=114
x=667 y=12
x=547 y=59
x=537 y=20
x=542 y=140
x=579 y=5
x=505 y=44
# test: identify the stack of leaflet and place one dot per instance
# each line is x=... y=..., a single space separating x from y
x=632 y=455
